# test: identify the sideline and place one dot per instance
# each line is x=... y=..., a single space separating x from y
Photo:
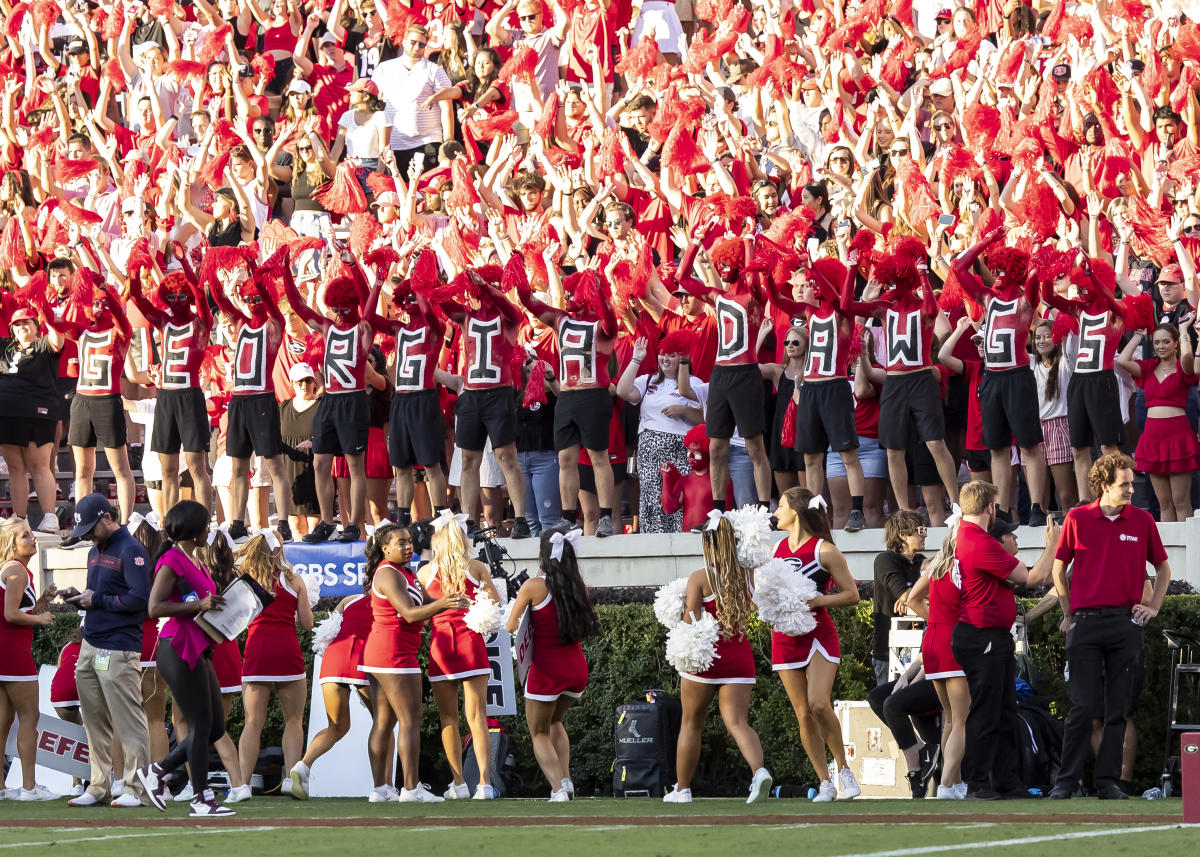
x=1005 y=843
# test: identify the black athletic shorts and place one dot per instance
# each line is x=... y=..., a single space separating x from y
x=18 y=431
x=97 y=420
x=65 y=388
x=979 y=460
x=910 y=402
x=417 y=430
x=583 y=417
x=483 y=415
x=180 y=419
x=735 y=401
x=1008 y=405
x=958 y=393
x=587 y=478
x=253 y=426
x=1094 y=409
x=341 y=424
x=825 y=417
x=922 y=469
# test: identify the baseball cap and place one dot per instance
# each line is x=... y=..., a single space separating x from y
x=1171 y=273
x=22 y=314
x=1001 y=527
x=1061 y=72
x=299 y=86
x=944 y=15
x=385 y=199
x=131 y=204
x=365 y=84
x=941 y=86
x=330 y=39
x=431 y=181
x=76 y=46
x=88 y=512
x=301 y=371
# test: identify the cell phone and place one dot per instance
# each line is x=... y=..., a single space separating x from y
x=244 y=71
x=947 y=220
x=1136 y=66
x=844 y=223
x=69 y=594
x=1058 y=517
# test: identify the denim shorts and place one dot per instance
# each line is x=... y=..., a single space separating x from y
x=870 y=456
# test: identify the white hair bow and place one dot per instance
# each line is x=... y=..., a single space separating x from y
x=818 y=502
x=955 y=517
x=573 y=537
x=268 y=534
x=714 y=518
x=446 y=517
x=136 y=519
x=223 y=530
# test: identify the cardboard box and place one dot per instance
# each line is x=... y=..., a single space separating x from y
x=871 y=751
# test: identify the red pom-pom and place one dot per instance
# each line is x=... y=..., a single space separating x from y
x=378 y=184
x=672 y=112
x=523 y=62
x=677 y=342
x=78 y=215
x=399 y=18
x=964 y=51
x=535 y=387
x=115 y=75
x=110 y=21
x=638 y=61
x=1039 y=211
x=213 y=172
x=791 y=228
x=543 y=128
x=342 y=195
x=12 y=245
x=214 y=44
x=981 y=125
x=921 y=203
x=1064 y=325
x=424 y=276
x=180 y=69
x=264 y=66
x=681 y=153
x=45 y=13
x=1139 y=312
x=698 y=436
x=787 y=435
x=364 y=229
x=12 y=25
x=610 y=160
x=463 y=193
x=485 y=128
x=67 y=169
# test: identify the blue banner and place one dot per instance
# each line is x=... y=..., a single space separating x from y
x=341 y=566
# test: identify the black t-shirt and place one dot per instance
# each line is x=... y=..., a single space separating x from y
x=535 y=426
x=894 y=573
x=27 y=380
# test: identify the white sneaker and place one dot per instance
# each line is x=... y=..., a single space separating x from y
x=285 y=787
x=383 y=794
x=127 y=801
x=206 y=806
x=760 y=786
x=238 y=794
x=185 y=795
x=678 y=795
x=457 y=791
x=85 y=799
x=118 y=788
x=960 y=789
x=76 y=790
x=950 y=793
x=485 y=793
x=49 y=524
x=560 y=796
x=298 y=781
x=568 y=787
x=826 y=793
x=850 y=788
x=38 y=793
x=9 y=794
x=421 y=794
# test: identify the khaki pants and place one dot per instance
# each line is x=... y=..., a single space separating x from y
x=110 y=701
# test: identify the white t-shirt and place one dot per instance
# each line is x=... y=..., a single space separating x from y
x=362 y=141
x=658 y=396
x=403 y=89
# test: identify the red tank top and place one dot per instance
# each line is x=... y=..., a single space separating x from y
x=544 y=624
x=18 y=637
x=385 y=618
x=450 y=620
x=806 y=560
x=279 y=617
x=945 y=597
x=101 y=362
x=356 y=619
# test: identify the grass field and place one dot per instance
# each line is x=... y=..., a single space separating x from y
x=587 y=827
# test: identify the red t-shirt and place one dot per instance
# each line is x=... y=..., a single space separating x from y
x=1109 y=557
x=983 y=565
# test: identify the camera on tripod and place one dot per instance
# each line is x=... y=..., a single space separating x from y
x=493 y=555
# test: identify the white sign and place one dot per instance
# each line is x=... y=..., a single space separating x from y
x=61 y=746
x=501 y=693
x=523 y=647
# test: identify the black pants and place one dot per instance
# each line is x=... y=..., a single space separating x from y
x=1101 y=654
x=198 y=694
x=404 y=157
x=916 y=705
x=987 y=657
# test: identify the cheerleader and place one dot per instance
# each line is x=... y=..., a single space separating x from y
x=936 y=598
x=807 y=665
x=272 y=657
x=19 y=675
x=561 y=616
x=458 y=655
x=1167 y=448
x=721 y=589
x=64 y=696
x=341 y=673
x=390 y=658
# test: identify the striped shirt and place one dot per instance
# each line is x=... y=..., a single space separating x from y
x=403 y=89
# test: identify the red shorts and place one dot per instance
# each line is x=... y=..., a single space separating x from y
x=457 y=652
x=563 y=672
x=377 y=463
x=734 y=664
x=1167 y=445
x=794 y=653
x=341 y=661
x=227 y=662
x=936 y=654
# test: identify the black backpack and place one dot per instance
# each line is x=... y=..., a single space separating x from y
x=644 y=743
x=504 y=765
x=1039 y=736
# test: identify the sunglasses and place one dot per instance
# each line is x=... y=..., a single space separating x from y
x=304 y=148
x=254 y=299
x=176 y=298
x=839 y=159
x=532 y=17
x=792 y=342
x=898 y=151
x=1194 y=227
x=920 y=531
x=942 y=126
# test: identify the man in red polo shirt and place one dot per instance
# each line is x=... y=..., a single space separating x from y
x=1108 y=542
x=983 y=644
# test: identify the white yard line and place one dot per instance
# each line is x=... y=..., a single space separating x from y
x=1007 y=843
x=179 y=831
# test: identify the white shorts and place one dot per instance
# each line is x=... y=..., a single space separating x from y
x=490 y=474
x=660 y=20
x=222 y=475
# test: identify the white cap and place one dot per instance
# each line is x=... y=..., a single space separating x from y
x=301 y=371
x=299 y=86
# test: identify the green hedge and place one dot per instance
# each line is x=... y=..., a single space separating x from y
x=627 y=658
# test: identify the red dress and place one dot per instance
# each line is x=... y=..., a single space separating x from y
x=734 y=663
x=149 y=642
x=558 y=668
x=16 y=641
x=344 y=655
x=393 y=642
x=945 y=603
x=1168 y=444
x=455 y=651
x=63 y=693
x=227 y=662
x=794 y=653
x=272 y=645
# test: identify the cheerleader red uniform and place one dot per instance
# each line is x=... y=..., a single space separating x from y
x=455 y=651
x=794 y=653
x=558 y=668
x=63 y=693
x=272 y=646
x=734 y=663
x=1167 y=444
x=393 y=642
x=149 y=642
x=227 y=663
x=344 y=655
x=16 y=641
x=945 y=603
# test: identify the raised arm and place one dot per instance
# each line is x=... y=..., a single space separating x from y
x=961 y=266
x=308 y=315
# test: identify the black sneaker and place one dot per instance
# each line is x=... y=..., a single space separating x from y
x=520 y=529
x=916 y=785
x=983 y=794
x=349 y=533
x=320 y=533
x=285 y=531
x=1059 y=793
x=930 y=756
x=604 y=527
x=238 y=532
x=70 y=542
x=1037 y=517
x=856 y=521
x=1111 y=792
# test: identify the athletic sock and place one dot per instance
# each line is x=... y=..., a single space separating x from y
x=571 y=515
x=605 y=510
x=856 y=503
x=719 y=505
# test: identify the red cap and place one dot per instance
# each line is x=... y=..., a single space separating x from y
x=26 y=314
x=365 y=84
x=944 y=14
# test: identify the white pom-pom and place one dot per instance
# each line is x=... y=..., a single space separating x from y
x=669 y=601
x=484 y=616
x=312 y=585
x=325 y=632
x=752 y=526
x=782 y=595
x=692 y=648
